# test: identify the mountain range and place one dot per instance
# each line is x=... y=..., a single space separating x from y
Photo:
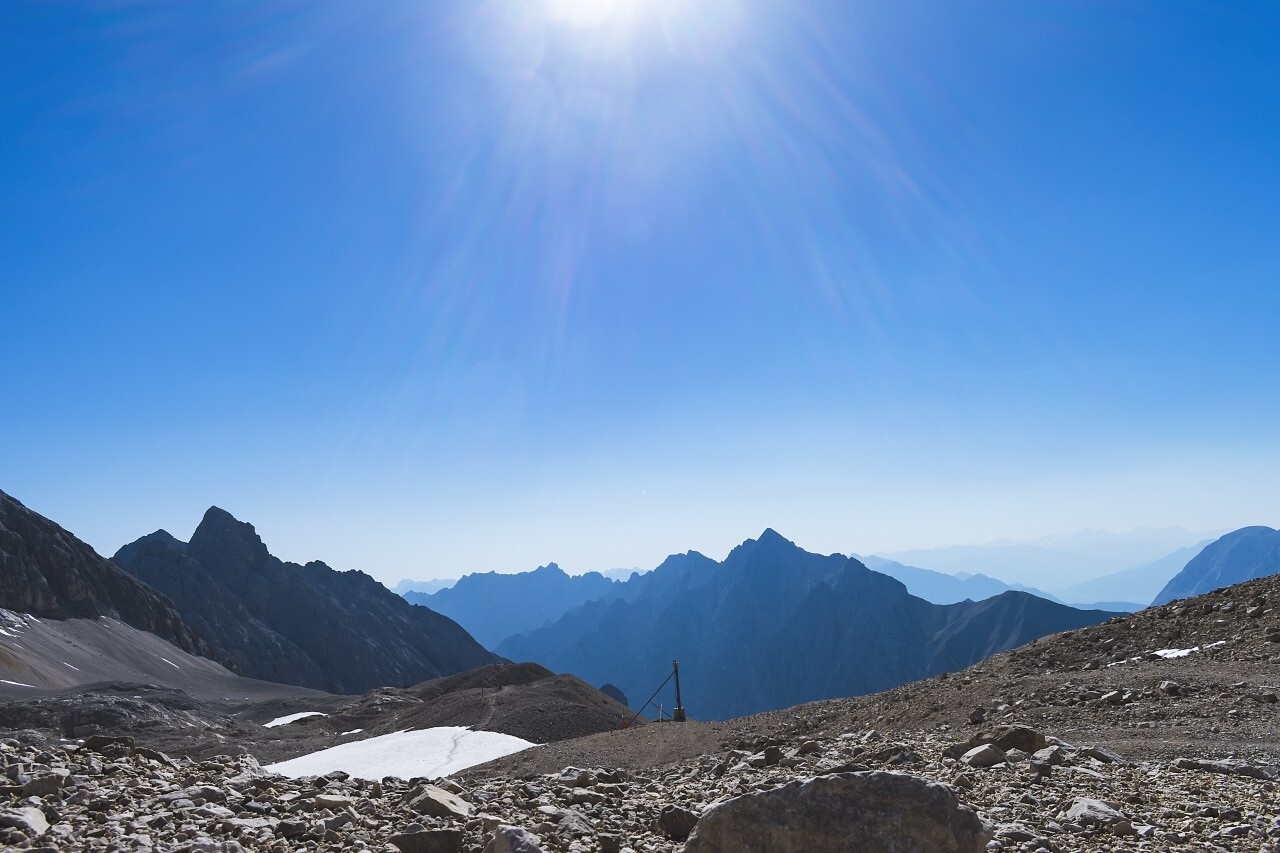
x=494 y=606
x=1045 y=563
x=342 y=632
x=940 y=587
x=774 y=625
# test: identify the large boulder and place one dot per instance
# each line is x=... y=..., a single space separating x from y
x=883 y=811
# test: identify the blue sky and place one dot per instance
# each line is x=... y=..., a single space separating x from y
x=428 y=287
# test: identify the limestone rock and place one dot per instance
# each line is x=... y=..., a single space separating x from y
x=677 y=822
x=429 y=841
x=513 y=839
x=986 y=755
x=437 y=802
x=27 y=819
x=883 y=811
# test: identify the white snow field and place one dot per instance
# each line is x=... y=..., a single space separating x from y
x=430 y=753
x=289 y=718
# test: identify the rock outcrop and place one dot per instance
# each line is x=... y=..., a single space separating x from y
x=306 y=625
x=47 y=572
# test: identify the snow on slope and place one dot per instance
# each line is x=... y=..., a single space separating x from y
x=430 y=753
x=289 y=718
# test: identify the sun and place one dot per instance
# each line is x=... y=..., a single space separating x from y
x=593 y=14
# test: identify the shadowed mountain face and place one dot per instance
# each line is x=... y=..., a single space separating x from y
x=306 y=625
x=774 y=625
x=494 y=606
x=1242 y=555
x=47 y=572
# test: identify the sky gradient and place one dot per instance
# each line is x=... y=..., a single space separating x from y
x=427 y=288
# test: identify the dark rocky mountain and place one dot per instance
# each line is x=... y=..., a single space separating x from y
x=774 y=625
x=306 y=625
x=1242 y=555
x=47 y=572
x=493 y=606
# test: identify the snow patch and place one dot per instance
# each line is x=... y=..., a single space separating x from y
x=353 y=732
x=1172 y=654
x=171 y=663
x=429 y=753
x=76 y=668
x=1169 y=654
x=289 y=718
x=15 y=683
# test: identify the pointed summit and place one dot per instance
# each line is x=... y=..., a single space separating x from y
x=227 y=540
x=773 y=537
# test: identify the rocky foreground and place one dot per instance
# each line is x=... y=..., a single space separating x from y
x=1156 y=731
x=1005 y=788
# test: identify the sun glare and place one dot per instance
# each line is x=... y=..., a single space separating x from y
x=593 y=14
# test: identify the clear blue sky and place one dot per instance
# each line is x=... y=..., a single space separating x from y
x=428 y=287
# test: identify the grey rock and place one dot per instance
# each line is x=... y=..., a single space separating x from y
x=1228 y=766
x=1091 y=812
x=437 y=802
x=42 y=785
x=882 y=811
x=986 y=755
x=677 y=822
x=28 y=819
x=429 y=841
x=513 y=839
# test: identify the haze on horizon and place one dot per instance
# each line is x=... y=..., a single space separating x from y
x=424 y=289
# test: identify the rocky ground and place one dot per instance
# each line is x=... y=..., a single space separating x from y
x=105 y=795
x=1088 y=740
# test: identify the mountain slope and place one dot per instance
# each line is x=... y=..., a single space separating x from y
x=306 y=625
x=48 y=572
x=774 y=625
x=493 y=606
x=1245 y=554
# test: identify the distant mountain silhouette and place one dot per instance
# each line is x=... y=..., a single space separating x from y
x=48 y=572
x=306 y=625
x=774 y=626
x=942 y=588
x=1242 y=555
x=426 y=587
x=493 y=606
x=1138 y=584
x=1046 y=562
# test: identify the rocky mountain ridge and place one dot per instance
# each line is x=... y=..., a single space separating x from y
x=47 y=572
x=312 y=626
x=774 y=625
x=493 y=606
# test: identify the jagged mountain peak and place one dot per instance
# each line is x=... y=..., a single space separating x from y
x=306 y=625
x=221 y=532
